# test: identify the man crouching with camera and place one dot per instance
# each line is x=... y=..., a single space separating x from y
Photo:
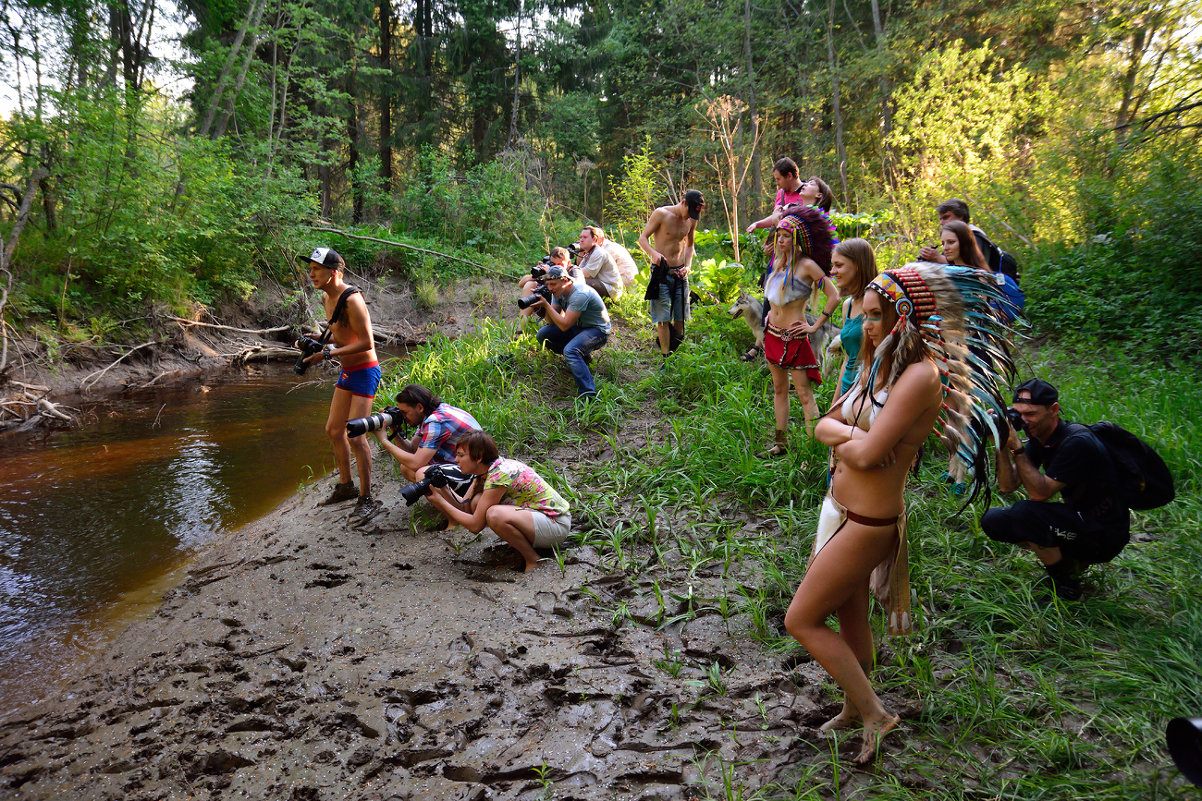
x=1092 y=525
x=439 y=427
x=537 y=280
x=577 y=325
x=507 y=497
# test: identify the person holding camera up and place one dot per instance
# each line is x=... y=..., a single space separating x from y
x=439 y=427
x=1092 y=525
x=577 y=325
x=537 y=278
x=348 y=338
x=509 y=498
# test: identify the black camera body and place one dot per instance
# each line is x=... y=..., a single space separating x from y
x=390 y=417
x=1014 y=418
x=543 y=292
x=307 y=346
x=434 y=478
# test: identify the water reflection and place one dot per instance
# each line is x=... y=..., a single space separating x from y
x=92 y=513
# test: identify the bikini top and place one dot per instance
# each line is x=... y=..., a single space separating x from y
x=781 y=292
x=863 y=414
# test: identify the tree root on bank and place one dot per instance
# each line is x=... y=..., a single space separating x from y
x=31 y=410
x=91 y=379
x=257 y=331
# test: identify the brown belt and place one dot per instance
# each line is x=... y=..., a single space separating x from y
x=871 y=521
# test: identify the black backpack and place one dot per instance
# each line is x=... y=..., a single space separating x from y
x=1006 y=264
x=1144 y=479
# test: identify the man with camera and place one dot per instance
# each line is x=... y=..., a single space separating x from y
x=439 y=427
x=672 y=228
x=347 y=337
x=577 y=325
x=1091 y=525
x=537 y=279
x=600 y=270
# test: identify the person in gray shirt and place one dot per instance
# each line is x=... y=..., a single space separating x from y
x=577 y=325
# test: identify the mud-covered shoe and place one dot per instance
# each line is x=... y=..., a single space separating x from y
x=365 y=509
x=1064 y=578
x=342 y=493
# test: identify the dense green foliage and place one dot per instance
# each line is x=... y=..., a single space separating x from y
x=496 y=127
x=1011 y=696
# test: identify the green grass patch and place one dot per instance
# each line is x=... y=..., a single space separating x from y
x=1018 y=698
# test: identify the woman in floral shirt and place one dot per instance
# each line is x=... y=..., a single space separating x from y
x=509 y=498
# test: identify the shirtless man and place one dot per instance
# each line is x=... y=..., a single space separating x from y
x=672 y=227
x=352 y=344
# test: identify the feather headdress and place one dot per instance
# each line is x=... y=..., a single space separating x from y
x=957 y=314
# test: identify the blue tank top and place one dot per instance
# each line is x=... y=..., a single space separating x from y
x=851 y=337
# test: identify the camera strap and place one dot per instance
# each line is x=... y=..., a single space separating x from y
x=339 y=313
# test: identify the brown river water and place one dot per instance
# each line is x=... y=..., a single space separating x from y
x=96 y=522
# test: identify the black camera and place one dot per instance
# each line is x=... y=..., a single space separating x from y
x=307 y=346
x=1015 y=418
x=542 y=292
x=391 y=417
x=434 y=478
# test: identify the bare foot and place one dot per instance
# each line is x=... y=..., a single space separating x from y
x=873 y=734
x=847 y=717
x=530 y=566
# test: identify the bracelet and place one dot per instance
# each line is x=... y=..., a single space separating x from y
x=1020 y=450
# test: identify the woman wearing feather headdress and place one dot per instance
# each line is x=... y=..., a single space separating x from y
x=920 y=322
x=801 y=258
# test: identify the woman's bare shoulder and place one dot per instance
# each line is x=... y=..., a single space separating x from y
x=920 y=376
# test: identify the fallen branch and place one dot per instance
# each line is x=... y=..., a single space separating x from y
x=92 y=378
x=259 y=353
x=48 y=409
x=340 y=232
x=256 y=331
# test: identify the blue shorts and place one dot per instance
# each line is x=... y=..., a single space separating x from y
x=361 y=380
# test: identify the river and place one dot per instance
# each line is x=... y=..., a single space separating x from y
x=96 y=522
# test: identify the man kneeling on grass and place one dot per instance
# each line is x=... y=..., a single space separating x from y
x=507 y=497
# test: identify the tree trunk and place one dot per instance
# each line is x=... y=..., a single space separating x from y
x=215 y=100
x=386 y=93
x=517 y=80
x=250 y=54
x=756 y=179
x=886 y=88
x=836 y=110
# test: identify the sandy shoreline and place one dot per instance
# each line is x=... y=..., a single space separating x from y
x=304 y=659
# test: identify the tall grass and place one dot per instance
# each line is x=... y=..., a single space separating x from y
x=1020 y=698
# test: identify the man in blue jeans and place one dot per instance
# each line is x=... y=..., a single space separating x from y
x=577 y=324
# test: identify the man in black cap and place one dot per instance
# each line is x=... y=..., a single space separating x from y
x=1091 y=525
x=348 y=338
x=671 y=256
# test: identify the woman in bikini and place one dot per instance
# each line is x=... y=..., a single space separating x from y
x=911 y=316
x=800 y=260
x=853 y=266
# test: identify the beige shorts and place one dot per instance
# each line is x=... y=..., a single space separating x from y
x=549 y=531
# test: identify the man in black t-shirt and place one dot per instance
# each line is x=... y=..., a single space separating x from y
x=1091 y=525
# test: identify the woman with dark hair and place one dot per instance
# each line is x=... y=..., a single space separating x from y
x=853 y=266
x=800 y=259
x=508 y=497
x=960 y=246
x=915 y=321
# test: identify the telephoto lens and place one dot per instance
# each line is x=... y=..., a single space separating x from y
x=434 y=478
x=361 y=425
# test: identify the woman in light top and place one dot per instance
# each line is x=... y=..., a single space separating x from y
x=800 y=260
x=853 y=266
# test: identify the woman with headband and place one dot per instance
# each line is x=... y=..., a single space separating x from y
x=914 y=365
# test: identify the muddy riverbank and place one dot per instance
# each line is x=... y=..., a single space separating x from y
x=301 y=658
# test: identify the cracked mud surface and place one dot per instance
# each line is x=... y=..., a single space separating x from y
x=304 y=659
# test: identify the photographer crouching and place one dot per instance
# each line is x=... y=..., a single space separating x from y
x=348 y=338
x=439 y=428
x=508 y=497
x=1092 y=525
x=577 y=325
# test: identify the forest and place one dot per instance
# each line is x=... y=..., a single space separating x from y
x=161 y=157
